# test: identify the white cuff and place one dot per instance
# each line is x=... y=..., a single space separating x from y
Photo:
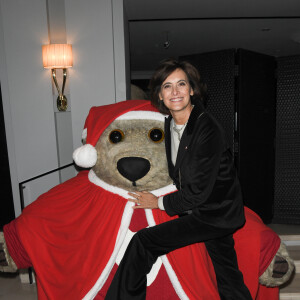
x=160 y=203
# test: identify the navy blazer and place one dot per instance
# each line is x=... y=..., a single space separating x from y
x=204 y=173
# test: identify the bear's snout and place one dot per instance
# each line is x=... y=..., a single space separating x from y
x=133 y=168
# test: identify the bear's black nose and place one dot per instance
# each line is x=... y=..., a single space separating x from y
x=133 y=168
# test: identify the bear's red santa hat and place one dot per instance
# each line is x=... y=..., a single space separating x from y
x=100 y=117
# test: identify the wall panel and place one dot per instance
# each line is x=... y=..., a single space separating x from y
x=287 y=167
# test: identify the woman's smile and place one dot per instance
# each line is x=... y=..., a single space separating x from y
x=176 y=94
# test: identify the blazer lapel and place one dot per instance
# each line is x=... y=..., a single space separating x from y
x=187 y=134
x=183 y=146
x=168 y=144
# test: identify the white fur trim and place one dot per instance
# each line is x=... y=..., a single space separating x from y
x=151 y=276
x=142 y=115
x=85 y=156
x=172 y=275
x=128 y=211
x=113 y=189
x=84 y=133
x=126 y=219
x=124 y=193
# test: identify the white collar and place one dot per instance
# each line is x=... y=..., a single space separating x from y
x=121 y=192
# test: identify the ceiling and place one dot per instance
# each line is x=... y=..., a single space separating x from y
x=162 y=28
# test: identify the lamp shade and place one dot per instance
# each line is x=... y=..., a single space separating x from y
x=57 y=56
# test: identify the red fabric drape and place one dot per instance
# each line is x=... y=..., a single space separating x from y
x=70 y=232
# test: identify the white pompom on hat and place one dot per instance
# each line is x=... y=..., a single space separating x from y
x=100 y=117
x=85 y=156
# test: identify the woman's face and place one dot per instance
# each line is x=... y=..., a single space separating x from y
x=175 y=92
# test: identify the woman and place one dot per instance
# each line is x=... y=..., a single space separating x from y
x=208 y=199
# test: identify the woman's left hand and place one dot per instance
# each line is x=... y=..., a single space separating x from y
x=144 y=200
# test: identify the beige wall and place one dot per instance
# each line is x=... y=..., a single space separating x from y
x=39 y=138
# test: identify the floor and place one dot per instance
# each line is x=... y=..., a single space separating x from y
x=11 y=287
x=285 y=229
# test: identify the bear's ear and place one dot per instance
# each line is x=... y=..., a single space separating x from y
x=85 y=156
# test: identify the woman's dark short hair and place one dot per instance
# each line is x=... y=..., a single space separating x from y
x=164 y=69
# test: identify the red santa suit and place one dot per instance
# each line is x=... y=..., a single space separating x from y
x=72 y=236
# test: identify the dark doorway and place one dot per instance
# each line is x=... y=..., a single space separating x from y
x=242 y=96
x=6 y=204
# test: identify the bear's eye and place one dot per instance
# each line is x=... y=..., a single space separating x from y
x=156 y=135
x=116 y=136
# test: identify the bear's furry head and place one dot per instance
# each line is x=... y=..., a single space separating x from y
x=126 y=146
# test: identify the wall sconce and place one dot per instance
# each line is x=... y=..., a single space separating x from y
x=58 y=56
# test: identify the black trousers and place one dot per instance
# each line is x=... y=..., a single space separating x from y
x=130 y=280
